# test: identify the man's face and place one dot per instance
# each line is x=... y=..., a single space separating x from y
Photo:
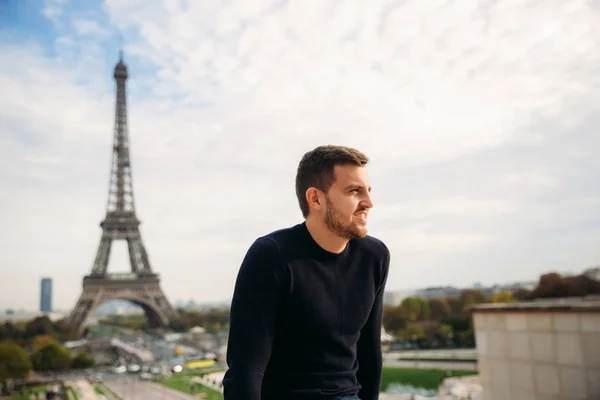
x=348 y=202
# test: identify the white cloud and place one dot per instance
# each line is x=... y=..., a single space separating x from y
x=64 y=41
x=85 y=27
x=52 y=13
x=478 y=118
x=422 y=69
x=53 y=9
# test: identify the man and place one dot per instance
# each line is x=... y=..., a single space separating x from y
x=306 y=313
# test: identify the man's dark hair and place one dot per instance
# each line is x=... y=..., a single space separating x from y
x=316 y=169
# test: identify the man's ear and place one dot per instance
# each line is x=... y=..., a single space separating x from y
x=313 y=199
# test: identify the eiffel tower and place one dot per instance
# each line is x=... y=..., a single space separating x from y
x=141 y=286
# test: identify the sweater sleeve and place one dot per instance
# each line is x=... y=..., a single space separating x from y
x=252 y=321
x=370 y=360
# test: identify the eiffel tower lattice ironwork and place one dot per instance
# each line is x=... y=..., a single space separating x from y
x=141 y=286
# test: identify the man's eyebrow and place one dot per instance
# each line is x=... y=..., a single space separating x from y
x=356 y=186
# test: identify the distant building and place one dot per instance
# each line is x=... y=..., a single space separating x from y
x=490 y=291
x=46 y=295
x=192 y=305
x=392 y=298
x=438 y=292
x=16 y=316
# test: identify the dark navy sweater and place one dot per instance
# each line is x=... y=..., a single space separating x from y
x=306 y=323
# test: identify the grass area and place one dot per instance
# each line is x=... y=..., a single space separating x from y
x=202 y=371
x=417 y=377
x=182 y=383
x=101 y=388
x=98 y=389
x=28 y=392
x=72 y=394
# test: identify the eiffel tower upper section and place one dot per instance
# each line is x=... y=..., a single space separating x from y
x=121 y=205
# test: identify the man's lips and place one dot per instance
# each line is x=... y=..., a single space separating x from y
x=361 y=215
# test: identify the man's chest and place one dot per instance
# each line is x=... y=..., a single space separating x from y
x=334 y=297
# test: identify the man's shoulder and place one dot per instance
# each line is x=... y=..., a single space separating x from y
x=279 y=239
x=377 y=254
x=373 y=246
x=283 y=235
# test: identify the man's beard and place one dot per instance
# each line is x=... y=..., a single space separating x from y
x=333 y=221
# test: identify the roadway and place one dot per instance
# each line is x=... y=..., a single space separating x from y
x=144 y=390
x=84 y=389
x=453 y=365
x=434 y=354
x=459 y=359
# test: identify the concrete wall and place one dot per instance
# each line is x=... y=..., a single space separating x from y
x=538 y=354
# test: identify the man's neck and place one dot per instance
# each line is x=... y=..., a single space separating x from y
x=328 y=240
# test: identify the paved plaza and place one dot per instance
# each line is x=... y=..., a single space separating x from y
x=143 y=390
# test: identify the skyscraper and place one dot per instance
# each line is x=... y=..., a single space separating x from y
x=46 y=295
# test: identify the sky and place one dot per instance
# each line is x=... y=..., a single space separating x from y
x=480 y=119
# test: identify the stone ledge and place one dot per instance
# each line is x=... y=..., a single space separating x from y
x=585 y=304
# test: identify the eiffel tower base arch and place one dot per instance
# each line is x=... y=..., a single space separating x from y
x=145 y=291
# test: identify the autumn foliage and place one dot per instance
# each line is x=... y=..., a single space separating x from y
x=435 y=319
x=553 y=285
x=433 y=322
x=36 y=345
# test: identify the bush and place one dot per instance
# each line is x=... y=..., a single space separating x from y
x=82 y=361
x=14 y=362
x=52 y=357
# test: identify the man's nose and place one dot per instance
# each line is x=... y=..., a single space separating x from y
x=367 y=201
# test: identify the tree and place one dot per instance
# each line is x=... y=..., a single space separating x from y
x=425 y=310
x=38 y=326
x=466 y=338
x=52 y=357
x=444 y=331
x=455 y=306
x=218 y=316
x=64 y=330
x=4 y=375
x=416 y=307
x=471 y=297
x=413 y=330
x=14 y=362
x=522 y=294
x=82 y=361
x=504 y=296
x=550 y=285
x=458 y=323
x=553 y=285
x=439 y=308
x=179 y=325
x=40 y=341
x=213 y=328
x=394 y=318
x=581 y=285
x=4 y=332
x=14 y=331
